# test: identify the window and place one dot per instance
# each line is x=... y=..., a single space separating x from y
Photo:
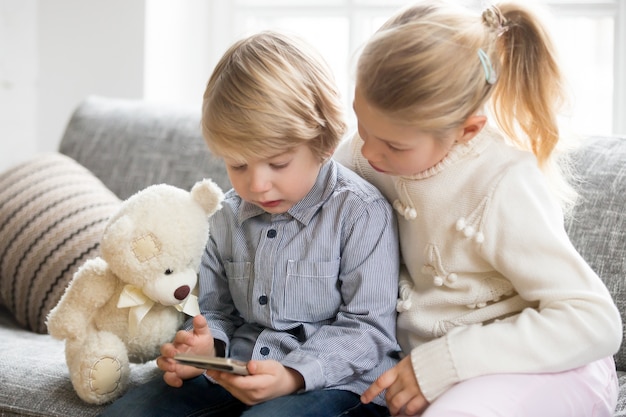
x=590 y=37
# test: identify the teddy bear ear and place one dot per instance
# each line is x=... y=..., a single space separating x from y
x=118 y=225
x=208 y=194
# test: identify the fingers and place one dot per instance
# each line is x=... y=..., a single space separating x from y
x=405 y=403
x=404 y=394
x=200 y=326
x=168 y=350
x=269 y=379
x=175 y=372
x=264 y=367
x=200 y=331
x=166 y=364
x=415 y=406
x=372 y=392
x=396 y=402
x=182 y=337
x=172 y=380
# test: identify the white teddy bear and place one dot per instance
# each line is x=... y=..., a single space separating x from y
x=121 y=307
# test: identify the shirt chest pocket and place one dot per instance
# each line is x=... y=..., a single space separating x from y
x=238 y=274
x=312 y=291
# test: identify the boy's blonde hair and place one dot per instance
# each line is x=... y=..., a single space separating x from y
x=269 y=94
x=423 y=65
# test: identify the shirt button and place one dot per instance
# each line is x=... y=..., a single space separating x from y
x=263 y=300
x=271 y=233
x=265 y=351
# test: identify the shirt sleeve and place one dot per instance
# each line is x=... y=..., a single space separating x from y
x=575 y=320
x=363 y=332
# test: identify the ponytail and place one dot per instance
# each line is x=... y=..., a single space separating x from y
x=529 y=91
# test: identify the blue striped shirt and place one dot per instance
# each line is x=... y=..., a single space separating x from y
x=314 y=288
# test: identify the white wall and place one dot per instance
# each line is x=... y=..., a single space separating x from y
x=54 y=53
x=177 y=60
x=18 y=79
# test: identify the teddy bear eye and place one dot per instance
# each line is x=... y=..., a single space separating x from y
x=168 y=271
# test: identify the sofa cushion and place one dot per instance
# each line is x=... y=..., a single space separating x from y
x=597 y=226
x=130 y=144
x=52 y=215
x=35 y=380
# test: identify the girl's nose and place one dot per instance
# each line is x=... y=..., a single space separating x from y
x=369 y=149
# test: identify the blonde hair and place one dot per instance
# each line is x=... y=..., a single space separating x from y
x=423 y=67
x=268 y=94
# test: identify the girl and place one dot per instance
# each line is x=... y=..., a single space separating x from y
x=499 y=315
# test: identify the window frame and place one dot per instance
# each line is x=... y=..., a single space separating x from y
x=224 y=16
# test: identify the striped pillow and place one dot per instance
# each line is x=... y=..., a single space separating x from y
x=52 y=215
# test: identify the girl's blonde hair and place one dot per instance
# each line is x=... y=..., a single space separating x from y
x=433 y=65
x=268 y=94
x=424 y=67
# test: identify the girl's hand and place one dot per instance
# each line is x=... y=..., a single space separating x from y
x=403 y=392
x=199 y=341
x=268 y=379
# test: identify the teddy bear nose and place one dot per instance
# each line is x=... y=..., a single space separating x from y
x=182 y=292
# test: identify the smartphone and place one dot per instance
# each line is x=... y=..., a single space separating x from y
x=213 y=362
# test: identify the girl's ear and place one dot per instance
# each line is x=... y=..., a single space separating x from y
x=472 y=126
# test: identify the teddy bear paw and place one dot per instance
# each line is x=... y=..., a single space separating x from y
x=105 y=375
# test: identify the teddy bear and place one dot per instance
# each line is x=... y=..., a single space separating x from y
x=123 y=305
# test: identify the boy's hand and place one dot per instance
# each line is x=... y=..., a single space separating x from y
x=199 y=341
x=268 y=379
x=403 y=392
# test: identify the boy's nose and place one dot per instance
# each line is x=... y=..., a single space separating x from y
x=260 y=183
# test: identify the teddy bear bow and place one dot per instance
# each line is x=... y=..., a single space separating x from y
x=140 y=304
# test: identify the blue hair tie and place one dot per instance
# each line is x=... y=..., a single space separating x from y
x=490 y=74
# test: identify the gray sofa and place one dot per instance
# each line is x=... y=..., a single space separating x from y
x=128 y=145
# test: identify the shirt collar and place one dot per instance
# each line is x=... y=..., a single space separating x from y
x=305 y=209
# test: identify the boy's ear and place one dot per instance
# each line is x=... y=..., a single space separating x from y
x=472 y=126
x=329 y=155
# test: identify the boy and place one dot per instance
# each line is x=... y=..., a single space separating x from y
x=299 y=278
